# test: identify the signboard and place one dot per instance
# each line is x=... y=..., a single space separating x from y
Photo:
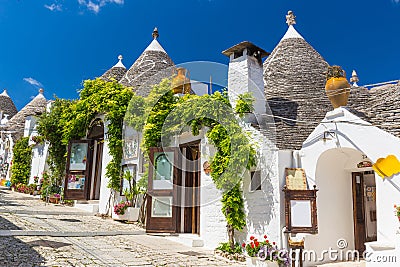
x=296 y=179
x=301 y=211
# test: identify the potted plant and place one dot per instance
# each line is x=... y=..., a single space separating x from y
x=127 y=210
x=265 y=254
x=55 y=198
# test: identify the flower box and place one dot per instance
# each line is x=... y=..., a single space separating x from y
x=130 y=214
x=256 y=262
x=54 y=200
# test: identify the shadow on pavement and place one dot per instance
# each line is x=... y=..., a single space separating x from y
x=14 y=252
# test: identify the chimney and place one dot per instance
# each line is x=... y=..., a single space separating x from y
x=245 y=73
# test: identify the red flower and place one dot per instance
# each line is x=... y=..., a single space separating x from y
x=265 y=236
x=267 y=241
x=244 y=244
x=256 y=243
x=252 y=245
x=273 y=243
x=251 y=237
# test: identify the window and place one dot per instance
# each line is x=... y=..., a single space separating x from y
x=255 y=183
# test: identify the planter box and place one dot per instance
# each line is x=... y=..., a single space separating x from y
x=131 y=215
x=54 y=200
x=256 y=262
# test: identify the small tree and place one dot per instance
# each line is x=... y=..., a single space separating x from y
x=133 y=191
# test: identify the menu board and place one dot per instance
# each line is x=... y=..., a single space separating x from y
x=76 y=182
x=296 y=179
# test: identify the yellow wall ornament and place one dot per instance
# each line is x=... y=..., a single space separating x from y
x=387 y=167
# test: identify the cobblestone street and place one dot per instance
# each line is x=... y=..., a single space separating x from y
x=34 y=233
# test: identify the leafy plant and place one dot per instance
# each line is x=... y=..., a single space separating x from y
x=69 y=120
x=163 y=114
x=51 y=127
x=226 y=247
x=244 y=104
x=335 y=72
x=133 y=191
x=21 y=163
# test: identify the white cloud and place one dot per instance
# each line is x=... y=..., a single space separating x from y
x=96 y=5
x=54 y=7
x=32 y=81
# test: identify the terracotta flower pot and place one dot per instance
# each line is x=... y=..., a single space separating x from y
x=337 y=87
x=54 y=200
x=338 y=91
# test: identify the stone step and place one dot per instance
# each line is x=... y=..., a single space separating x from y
x=190 y=240
x=91 y=206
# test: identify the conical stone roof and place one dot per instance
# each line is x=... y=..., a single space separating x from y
x=382 y=108
x=149 y=69
x=34 y=108
x=294 y=83
x=7 y=105
x=116 y=72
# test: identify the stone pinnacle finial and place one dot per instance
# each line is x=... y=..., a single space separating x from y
x=354 y=78
x=155 y=33
x=120 y=57
x=41 y=91
x=290 y=18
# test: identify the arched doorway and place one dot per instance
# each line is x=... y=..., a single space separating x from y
x=346 y=200
x=84 y=165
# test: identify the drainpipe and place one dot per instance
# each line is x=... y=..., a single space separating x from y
x=296 y=159
x=285 y=238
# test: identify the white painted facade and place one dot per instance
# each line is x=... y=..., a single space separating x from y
x=39 y=151
x=105 y=201
x=329 y=163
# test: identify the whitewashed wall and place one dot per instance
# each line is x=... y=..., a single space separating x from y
x=368 y=140
x=212 y=220
x=105 y=204
x=263 y=207
x=245 y=74
x=334 y=203
x=38 y=163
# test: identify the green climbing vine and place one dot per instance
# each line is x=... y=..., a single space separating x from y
x=73 y=119
x=50 y=127
x=21 y=164
x=162 y=115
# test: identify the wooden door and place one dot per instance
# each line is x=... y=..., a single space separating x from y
x=358 y=212
x=78 y=174
x=162 y=190
x=95 y=187
x=192 y=189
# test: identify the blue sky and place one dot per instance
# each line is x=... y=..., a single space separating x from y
x=58 y=44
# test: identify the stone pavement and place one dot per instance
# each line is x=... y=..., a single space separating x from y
x=33 y=233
